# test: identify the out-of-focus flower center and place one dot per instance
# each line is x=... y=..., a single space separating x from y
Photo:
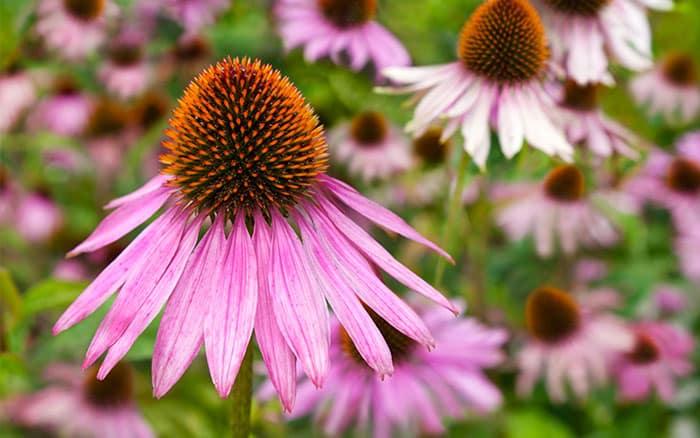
x=684 y=176
x=107 y=118
x=565 y=184
x=243 y=138
x=578 y=7
x=117 y=389
x=679 y=69
x=191 y=49
x=85 y=9
x=645 y=350
x=348 y=13
x=151 y=109
x=504 y=41
x=64 y=86
x=551 y=315
x=369 y=128
x=580 y=97
x=126 y=54
x=399 y=344
x=429 y=148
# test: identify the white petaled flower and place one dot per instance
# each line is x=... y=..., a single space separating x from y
x=498 y=78
x=585 y=33
x=371 y=146
x=670 y=89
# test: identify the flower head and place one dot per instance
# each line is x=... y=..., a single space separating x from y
x=246 y=150
x=65 y=112
x=126 y=72
x=17 y=94
x=195 y=15
x=502 y=61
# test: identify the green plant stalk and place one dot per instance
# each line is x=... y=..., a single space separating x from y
x=242 y=397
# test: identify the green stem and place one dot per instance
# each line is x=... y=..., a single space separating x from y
x=453 y=208
x=242 y=396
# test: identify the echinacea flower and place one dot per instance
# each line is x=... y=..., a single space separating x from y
x=426 y=386
x=64 y=112
x=568 y=342
x=70 y=270
x=498 y=79
x=80 y=405
x=107 y=135
x=371 y=146
x=126 y=72
x=660 y=354
x=584 y=33
x=339 y=27
x=670 y=89
x=246 y=150
x=686 y=246
x=74 y=28
x=195 y=15
x=188 y=57
x=556 y=210
x=669 y=299
x=584 y=122
x=17 y=94
x=37 y=217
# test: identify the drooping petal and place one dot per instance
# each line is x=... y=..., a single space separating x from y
x=154 y=184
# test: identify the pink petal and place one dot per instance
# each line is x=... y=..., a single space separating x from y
x=155 y=183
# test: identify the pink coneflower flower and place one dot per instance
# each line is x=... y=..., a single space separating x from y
x=670 y=89
x=80 y=405
x=17 y=94
x=126 y=72
x=195 y=15
x=686 y=245
x=569 y=343
x=65 y=112
x=661 y=353
x=371 y=146
x=37 y=217
x=589 y=270
x=669 y=299
x=246 y=150
x=584 y=33
x=584 y=122
x=339 y=27
x=74 y=28
x=502 y=62
x=426 y=386
x=70 y=270
x=107 y=136
x=188 y=57
x=557 y=210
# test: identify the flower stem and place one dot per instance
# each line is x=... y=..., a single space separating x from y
x=452 y=214
x=242 y=396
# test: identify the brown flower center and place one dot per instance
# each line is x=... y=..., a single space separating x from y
x=565 y=183
x=107 y=118
x=126 y=54
x=504 y=41
x=679 y=69
x=369 y=128
x=65 y=86
x=117 y=389
x=551 y=315
x=684 y=176
x=191 y=49
x=85 y=9
x=578 y=7
x=150 y=109
x=645 y=350
x=348 y=13
x=580 y=97
x=399 y=344
x=243 y=138
x=430 y=148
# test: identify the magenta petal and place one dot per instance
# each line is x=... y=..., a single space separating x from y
x=113 y=276
x=381 y=256
x=299 y=306
x=155 y=301
x=122 y=220
x=278 y=357
x=376 y=213
x=154 y=184
x=362 y=330
x=229 y=322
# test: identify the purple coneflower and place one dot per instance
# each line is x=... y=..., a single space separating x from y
x=337 y=27
x=17 y=94
x=569 y=342
x=426 y=386
x=670 y=89
x=107 y=136
x=126 y=72
x=661 y=353
x=686 y=245
x=584 y=33
x=37 y=217
x=669 y=299
x=80 y=405
x=246 y=150
x=556 y=210
x=70 y=270
x=371 y=146
x=74 y=28
x=584 y=122
x=65 y=112
x=195 y=15
x=502 y=62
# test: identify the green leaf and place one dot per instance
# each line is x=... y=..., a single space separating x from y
x=10 y=302
x=13 y=373
x=533 y=423
x=51 y=294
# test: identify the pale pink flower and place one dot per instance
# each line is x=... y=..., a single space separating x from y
x=371 y=146
x=660 y=354
x=37 y=217
x=425 y=388
x=669 y=299
x=585 y=34
x=65 y=112
x=557 y=211
x=496 y=81
x=686 y=245
x=70 y=270
x=126 y=72
x=74 y=28
x=339 y=27
x=569 y=343
x=79 y=405
x=195 y=15
x=17 y=94
x=589 y=270
x=256 y=168
x=671 y=89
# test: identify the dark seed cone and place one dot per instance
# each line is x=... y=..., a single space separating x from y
x=348 y=13
x=565 y=183
x=645 y=350
x=399 y=344
x=116 y=389
x=85 y=9
x=551 y=315
x=578 y=7
x=684 y=176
